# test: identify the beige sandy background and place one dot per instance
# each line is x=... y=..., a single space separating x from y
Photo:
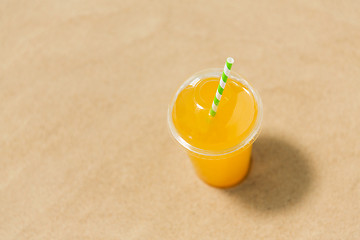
x=85 y=151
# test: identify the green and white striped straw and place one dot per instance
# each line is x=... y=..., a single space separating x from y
x=219 y=91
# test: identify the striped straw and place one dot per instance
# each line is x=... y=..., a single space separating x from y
x=223 y=79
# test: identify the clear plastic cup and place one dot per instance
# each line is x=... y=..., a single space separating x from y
x=226 y=167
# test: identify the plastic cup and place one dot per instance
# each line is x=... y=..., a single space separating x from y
x=226 y=167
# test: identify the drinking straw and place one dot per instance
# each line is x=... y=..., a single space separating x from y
x=226 y=73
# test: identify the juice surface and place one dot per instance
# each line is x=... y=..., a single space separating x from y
x=234 y=120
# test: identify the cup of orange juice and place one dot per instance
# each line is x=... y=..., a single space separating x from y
x=219 y=147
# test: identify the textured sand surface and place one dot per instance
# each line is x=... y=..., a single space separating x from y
x=84 y=148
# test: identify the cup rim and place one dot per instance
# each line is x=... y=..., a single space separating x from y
x=216 y=72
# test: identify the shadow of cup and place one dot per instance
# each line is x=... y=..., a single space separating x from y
x=280 y=176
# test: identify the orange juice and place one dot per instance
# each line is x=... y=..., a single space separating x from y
x=220 y=146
